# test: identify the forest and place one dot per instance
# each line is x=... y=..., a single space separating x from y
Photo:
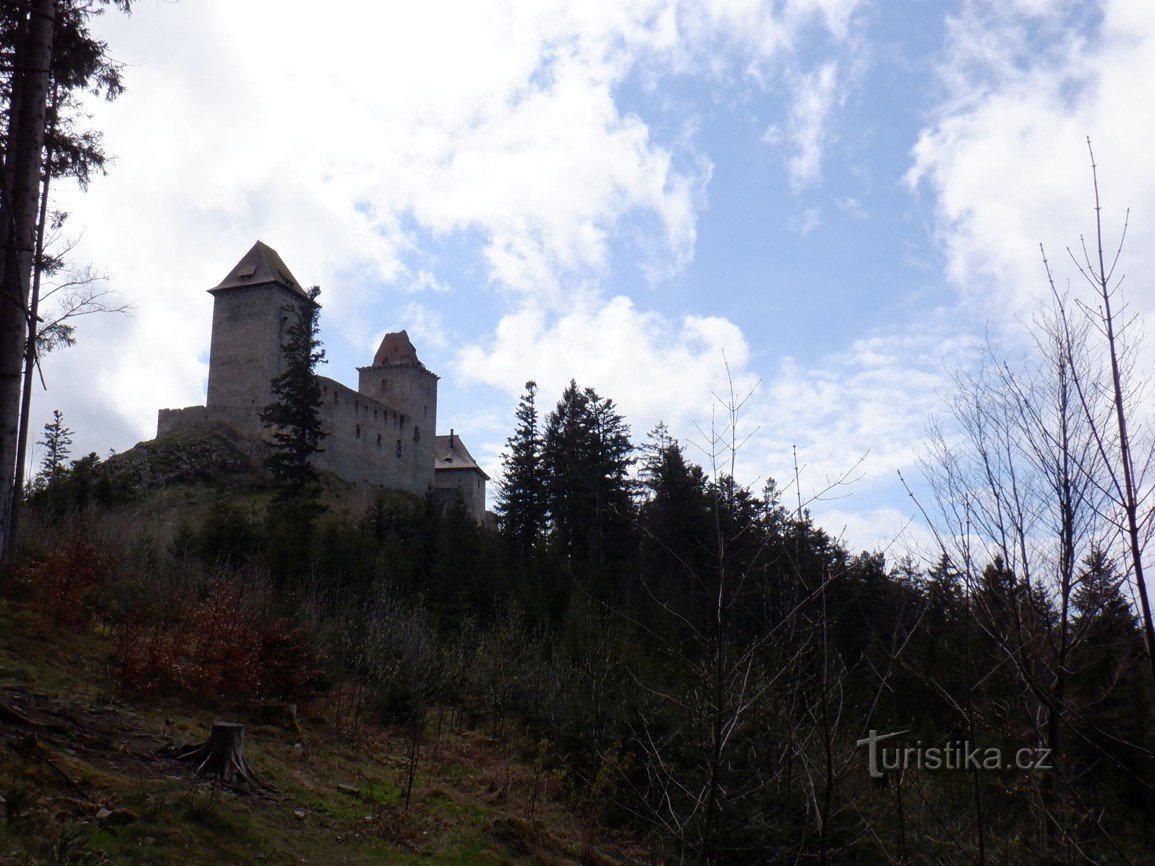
x=702 y=663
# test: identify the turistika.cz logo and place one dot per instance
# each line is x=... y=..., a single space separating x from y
x=959 y=755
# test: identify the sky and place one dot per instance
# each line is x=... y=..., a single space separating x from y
x=823 y=207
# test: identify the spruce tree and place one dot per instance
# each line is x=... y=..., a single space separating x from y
x=293 y=422
x=676 y=521
x=293 y=418
x=56 y=442
x=586 y=458
x=521 y=497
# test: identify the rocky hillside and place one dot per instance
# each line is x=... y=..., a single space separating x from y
x=185 y=458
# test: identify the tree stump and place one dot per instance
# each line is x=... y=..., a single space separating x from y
x=221 y=759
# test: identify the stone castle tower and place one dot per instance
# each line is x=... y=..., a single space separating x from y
x=383 y=433
x=253 y=308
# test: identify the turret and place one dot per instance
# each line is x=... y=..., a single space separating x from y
x=399 y=380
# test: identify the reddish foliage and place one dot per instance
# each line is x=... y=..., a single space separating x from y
x=215 y=645
x=62 y=588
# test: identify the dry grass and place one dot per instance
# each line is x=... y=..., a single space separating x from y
x=82 y=781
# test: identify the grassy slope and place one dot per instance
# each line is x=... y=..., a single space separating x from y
x=338 y=797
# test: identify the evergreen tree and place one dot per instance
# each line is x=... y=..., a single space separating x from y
x=1111 y=703
x=226 y=537
x=293 y=419
x=586 y=457
x=56 y=442
x=456 y=587
x=676 y=523
x=49 y=54
x=521 y=497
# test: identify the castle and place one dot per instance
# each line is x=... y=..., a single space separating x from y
x=383 y=433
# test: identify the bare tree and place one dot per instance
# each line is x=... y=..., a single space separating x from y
x=1127 y=466
x=74 y=292
x=1021 y=481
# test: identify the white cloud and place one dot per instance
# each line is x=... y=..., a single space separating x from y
x=654 y=368
x=425 y=326
x=870 y=402
x=814 y=98
x=891 y=530
x=851 y=206
x=343 y=141
x=1006 y=156
x=807 y=221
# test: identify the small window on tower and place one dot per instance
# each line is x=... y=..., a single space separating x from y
x=378 y=440
x=357 y=430
x=416 y=433
x=398 y=448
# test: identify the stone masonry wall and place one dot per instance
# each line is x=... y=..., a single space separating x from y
x=367 y=440
x=467 y=484
x=249 y=329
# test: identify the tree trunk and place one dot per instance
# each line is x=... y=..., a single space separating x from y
x=13 y=523
x=19 y=194
x=221 y=759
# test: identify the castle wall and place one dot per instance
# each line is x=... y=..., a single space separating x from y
x=369 y=441
x=242 y=427
x=466 y=483
x=169 y=421
x=411 y=391
x=243 y=421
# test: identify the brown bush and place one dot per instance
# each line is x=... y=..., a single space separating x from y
x=62 y=588
x=218 y=643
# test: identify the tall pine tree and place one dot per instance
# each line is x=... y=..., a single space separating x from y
x=49 y=55
x=676 y=521
x=521 y=496
x=293 y=419
x=586 y=457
